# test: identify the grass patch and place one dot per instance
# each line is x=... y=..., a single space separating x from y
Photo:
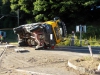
x=76 y=42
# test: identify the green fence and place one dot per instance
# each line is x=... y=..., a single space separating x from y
x=10 y=36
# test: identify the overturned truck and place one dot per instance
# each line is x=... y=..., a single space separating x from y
x=43 y=35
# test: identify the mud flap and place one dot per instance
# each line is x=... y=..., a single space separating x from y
x=52 y=41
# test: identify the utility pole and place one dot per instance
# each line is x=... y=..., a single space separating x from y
x=80 y=35
x=1 y=17
x=18 y=16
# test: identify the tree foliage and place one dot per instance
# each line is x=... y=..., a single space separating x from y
x=72 y=12
x=41 y=10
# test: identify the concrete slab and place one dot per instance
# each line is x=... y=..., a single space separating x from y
x=19 y=49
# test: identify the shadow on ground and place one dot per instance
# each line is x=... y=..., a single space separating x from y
x=95 y=50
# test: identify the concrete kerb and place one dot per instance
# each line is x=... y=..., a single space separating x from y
x=82 y=70
x=31 y=72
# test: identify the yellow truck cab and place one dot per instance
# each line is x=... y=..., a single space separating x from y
x=56 y=34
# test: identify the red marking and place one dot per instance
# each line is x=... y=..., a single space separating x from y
x=52 y=47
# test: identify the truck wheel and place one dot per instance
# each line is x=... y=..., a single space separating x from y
x=31 y=42
x=21 y=44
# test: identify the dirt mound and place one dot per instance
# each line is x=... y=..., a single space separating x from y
x=90 y=64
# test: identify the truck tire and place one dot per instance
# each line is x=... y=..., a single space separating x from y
x=31 y=42
x=21 y=43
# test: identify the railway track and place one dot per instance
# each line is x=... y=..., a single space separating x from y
x=3 y=49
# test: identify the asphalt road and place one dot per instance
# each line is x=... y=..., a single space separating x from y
x=79 y=50
x=74 y=49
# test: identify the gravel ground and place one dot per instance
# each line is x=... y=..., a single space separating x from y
x=36 y=62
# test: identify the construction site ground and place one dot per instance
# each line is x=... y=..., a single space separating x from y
x=36 y=62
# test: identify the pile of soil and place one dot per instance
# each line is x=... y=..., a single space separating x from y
x=89 y=63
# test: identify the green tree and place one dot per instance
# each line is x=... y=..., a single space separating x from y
x=40 y=10
x=72 y=12
x=4 y=13
x=25 y=9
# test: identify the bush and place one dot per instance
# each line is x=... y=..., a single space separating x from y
x=92 y=41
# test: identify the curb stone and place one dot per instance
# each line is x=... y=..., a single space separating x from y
x=97 y=73
x=82 y=70
x=31 y=72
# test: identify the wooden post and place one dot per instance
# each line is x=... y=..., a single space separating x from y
x=90 y=50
